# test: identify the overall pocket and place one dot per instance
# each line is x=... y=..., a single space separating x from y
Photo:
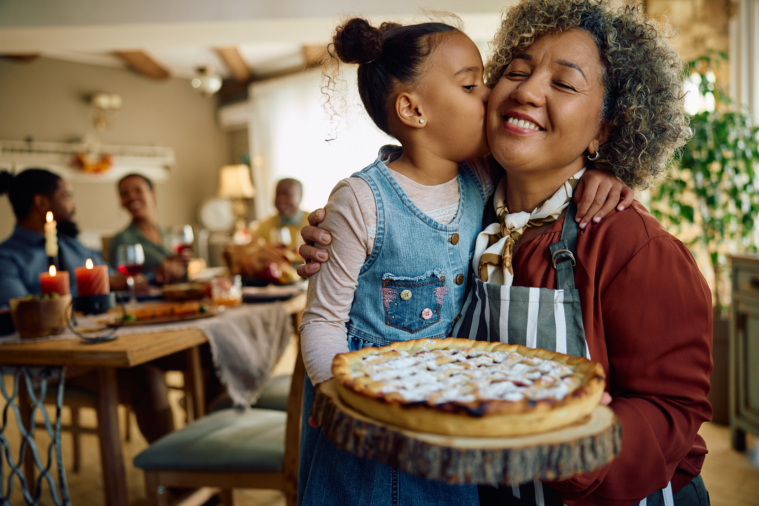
x=413 y=303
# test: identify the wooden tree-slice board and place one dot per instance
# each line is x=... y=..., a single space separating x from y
x=588 y=445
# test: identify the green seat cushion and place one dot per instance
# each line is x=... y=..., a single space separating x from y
x=275 y=393
x=225 y=441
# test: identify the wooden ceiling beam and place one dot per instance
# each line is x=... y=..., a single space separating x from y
x=234 y=90
x=313 y=55
x=20 y=58
x=142 y=63
x=234 y=62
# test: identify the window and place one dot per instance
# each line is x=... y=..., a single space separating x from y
x=744 y=54
x=293 y=136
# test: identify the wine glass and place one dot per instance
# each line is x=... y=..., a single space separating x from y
x=130 y=258
x=280 y=236
x=182 y=238
x=285 y=237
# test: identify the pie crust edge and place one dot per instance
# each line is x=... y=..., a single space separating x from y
x=497 y=418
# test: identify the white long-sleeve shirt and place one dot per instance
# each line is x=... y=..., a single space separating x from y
x=351 y=218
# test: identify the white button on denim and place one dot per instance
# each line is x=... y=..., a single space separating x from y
x=405 y=294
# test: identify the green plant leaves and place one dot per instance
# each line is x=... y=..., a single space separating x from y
x=715 y=185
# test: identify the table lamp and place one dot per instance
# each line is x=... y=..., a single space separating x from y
x=235 y=184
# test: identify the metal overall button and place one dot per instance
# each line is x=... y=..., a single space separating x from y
x=459 y=279
x=454 y=239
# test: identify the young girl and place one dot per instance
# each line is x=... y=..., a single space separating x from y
x=403 y=232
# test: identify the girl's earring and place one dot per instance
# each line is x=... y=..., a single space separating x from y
x=594 y=157
x=421 y=121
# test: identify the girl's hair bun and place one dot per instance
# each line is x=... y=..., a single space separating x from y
x=359 y=42
x=6 y=180
x=389 y=25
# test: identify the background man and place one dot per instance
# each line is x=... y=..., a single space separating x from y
x=33 y=193
x=289 y=216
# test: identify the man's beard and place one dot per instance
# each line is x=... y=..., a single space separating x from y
x=68 y=228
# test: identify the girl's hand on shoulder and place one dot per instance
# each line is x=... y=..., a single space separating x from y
x=597 y=193
x=311 y=235
x=605 y=400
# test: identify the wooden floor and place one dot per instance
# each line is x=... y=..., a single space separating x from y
x=732 y=478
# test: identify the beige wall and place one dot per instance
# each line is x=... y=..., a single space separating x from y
x=45 y=100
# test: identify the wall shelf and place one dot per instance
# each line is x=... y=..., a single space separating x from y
x=154 y=162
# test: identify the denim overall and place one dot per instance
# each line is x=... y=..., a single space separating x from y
x=411 y=287
x=536 y=318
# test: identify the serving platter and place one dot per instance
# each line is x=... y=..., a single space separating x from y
x=559 y=454
x=116 y=319
x=272 y=293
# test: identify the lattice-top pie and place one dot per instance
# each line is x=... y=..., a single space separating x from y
x=468 y=388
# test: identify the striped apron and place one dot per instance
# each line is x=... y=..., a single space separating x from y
x=536 y=318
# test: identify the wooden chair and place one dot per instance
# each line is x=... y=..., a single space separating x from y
x=75 y=399
x=230 y=449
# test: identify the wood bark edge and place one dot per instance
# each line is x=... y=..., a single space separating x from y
x=509 y=466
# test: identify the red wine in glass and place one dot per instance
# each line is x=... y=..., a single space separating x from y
x=130 y=259
x=182 y=238
x=130 y=270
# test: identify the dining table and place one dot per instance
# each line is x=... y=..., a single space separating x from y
x=106 y=358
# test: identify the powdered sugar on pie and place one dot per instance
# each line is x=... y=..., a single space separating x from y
x=458 y=386
x=464 y=375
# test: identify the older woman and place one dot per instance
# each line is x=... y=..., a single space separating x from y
x=603 y=88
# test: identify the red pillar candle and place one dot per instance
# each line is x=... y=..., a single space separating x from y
x=92 y=279
x=54 y=282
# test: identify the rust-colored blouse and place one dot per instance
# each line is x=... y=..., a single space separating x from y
x=647 y=313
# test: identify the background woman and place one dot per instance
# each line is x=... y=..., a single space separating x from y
x=603 y=87
x=139 y=199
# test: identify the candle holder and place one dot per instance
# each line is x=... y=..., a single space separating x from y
x=95 y=304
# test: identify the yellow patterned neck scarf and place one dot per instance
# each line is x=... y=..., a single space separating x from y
x=494 y=247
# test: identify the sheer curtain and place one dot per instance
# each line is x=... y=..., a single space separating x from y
x=291 y=135
x=744 y=54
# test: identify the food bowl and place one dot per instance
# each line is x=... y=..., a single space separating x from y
x=184 y=291
x=41 y=317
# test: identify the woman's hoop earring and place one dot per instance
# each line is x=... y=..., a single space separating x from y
x=594 y=157
x=421 y=121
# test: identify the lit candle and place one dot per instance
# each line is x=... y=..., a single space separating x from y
x=92 y=279
x=51 y=236
x=54 y=282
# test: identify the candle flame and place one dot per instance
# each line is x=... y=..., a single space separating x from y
x=88 y=263
x=49 y=217
x=52 y=270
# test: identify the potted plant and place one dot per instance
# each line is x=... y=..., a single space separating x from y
x=711 y=200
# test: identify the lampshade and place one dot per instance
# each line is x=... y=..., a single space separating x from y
x=234 y=182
